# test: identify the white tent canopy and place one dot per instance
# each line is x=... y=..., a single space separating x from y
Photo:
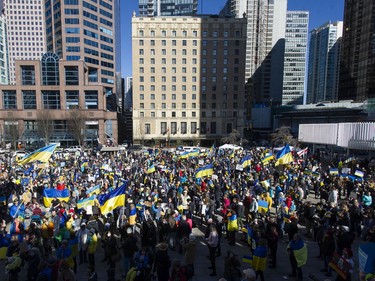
x=230 y=146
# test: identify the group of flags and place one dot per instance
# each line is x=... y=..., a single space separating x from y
x=107 y=202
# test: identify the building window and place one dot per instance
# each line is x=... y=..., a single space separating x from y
x=147 y=128
x=213 y=128
x=72 y=99
x=163 y=114
x=91 y=99
x=51 y=99
x=29 y=99
x=183 y=127
x=50 y=69
x=93 y=75
x=193 y=127
x=163 y=96
x=10 y=99
x=163 y=127
x=173 y=127
x=141 y=105
x=152 y=114
x=71 y=75
x=28 y=74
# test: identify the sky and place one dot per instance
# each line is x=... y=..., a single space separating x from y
x=321 y=11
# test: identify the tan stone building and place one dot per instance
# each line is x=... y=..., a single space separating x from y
x=51 y=89
x=188 y=78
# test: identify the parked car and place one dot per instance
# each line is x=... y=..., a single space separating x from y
x=73 y=148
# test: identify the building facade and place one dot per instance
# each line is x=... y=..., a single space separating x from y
x=188 y=78
x=152 y=8
x=266 y=21
x=46 y=95
x=86 y=30
x=357 y=67
x=324 y=62
x=25 y=28
x=296 y=34
x=4 y=59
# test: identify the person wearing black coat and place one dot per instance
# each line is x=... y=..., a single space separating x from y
x=162 y=262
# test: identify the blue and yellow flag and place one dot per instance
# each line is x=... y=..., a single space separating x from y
x=42 y=154
x=267 y=158
x=333 y=171
x=284 y=156
x=246 y=161
x=359 y=173
x=205 y=171
x=113 y=199
x=93 y=190
x=49 y=194
x=247 y=259
x=4 y=244
x=307 y=172
x=84 y=165
x=151 y=169
x=84 y=203
x=262 y=206
x=3 y=200
x=188 y=154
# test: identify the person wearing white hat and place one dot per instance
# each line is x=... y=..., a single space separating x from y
x=249 y=275
x=82 y=236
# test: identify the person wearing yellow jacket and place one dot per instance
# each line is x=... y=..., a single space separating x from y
x=93 y=243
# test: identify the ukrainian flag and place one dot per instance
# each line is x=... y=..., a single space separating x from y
x=205 y=171
x=232 y=154
x=42 y=154
x=359 y=173
x=333 y=171
x=84 y=165
x=3 y=200
x=133 y=216
x=247 y=259
x=93 y=190
x=151 y=169
x=188 y=154
x=246 y=161
x=262 y=206
x=267 y=158
x=4 y=244
x=113 y=199
x=315 y=174
x=284 y=156
x=84 y=203
x=307 y=172
x=50 y=193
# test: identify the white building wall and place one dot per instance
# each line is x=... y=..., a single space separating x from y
x=347 y=135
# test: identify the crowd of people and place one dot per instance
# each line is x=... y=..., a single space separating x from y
x=245 y=199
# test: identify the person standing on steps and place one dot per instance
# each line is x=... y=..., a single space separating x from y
x=212 y=242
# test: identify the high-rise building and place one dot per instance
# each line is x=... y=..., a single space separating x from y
x=4 y=62
x=324 y=62
x=188 y=78
x=265 y=45
x=87 y=31
x=296 y=34
x=152 y=8
x=25 y=26
x=357 y=67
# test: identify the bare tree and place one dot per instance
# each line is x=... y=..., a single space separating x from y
x=233 y=138
x=12 y=132
x=77 y=125
x=282 y=136
x=45 y=124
